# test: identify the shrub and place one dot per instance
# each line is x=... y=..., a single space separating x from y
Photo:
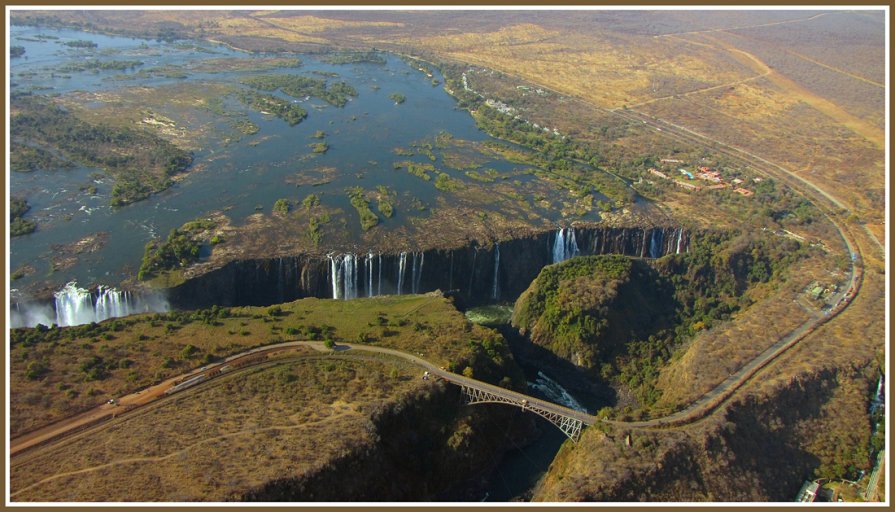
x=282 y=206
x=36 y=370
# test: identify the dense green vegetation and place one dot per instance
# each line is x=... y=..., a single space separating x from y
x=319 y=147
x=310 y=201
x=445 y=183
x=80 y=43
x=567 y=307
x=289 y=112
x=385 y=207
x=140 y=162
x=179 y=250
x=98 y=65
x=18 y=225
x=397 y=98
x=418 y=170
x=282 y=206
x=558 y=156
x=386 y=201
x=624 y=318
x=16 y=51
x=368 y=219
x=25 y=158
x=353 y=58
x=314 y=233
x=297 y=86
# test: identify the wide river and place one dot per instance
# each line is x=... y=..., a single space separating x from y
x=237 y=173
x=241 y=174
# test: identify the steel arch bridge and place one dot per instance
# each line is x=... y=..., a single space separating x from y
x=569 y=425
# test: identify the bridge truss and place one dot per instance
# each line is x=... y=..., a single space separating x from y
x=571 y=427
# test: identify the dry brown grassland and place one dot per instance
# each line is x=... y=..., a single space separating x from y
x=150 y=348
x=221 y=439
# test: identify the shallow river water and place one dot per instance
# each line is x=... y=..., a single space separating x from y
x=242 y=176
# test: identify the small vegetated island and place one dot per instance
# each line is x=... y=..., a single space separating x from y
x=139 y=162
x=715 y=317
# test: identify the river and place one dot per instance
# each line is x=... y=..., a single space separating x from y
x=241 y=175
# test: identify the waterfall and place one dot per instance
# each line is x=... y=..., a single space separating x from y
x=559 y=246
x=417 y=272
x=343 y=273
x=74 y=306
x=413 y=274
x=495 y=287
x=565 y=246
x=879 y=398
x=419 y=275
x=680 y=237
x=655 y=247
x=379 y=287
x=348 y=271
x=111 y=303
x=402 y=265
x=642 y=245
x=554 y=392
x=334 y=276
x=77 y=306
x=368 y=265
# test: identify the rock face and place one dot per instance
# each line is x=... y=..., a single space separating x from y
x=428 y=448
x=585 y=310
x=760 y=448
x=474 y=274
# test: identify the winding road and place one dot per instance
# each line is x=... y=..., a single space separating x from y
x=695 y=411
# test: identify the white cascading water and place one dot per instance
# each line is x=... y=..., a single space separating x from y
x=565 y=246
x=77 y=306
x=343 y=274
x=349 y=276
x=379 y=285
x=368 y=265
x=74 y=306
x=334 y=276
x=680 y=237
x=643 y=244
x=402 y=265
x=879 y=398
x=559 y=246
x=554 y=392
x=111 y=303
x=417 y=272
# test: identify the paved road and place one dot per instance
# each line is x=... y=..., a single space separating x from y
x=124 y=404
x=871 y=491
x=696 y=410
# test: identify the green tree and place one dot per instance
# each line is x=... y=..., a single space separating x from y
x=282 y=206
x=188 y=352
